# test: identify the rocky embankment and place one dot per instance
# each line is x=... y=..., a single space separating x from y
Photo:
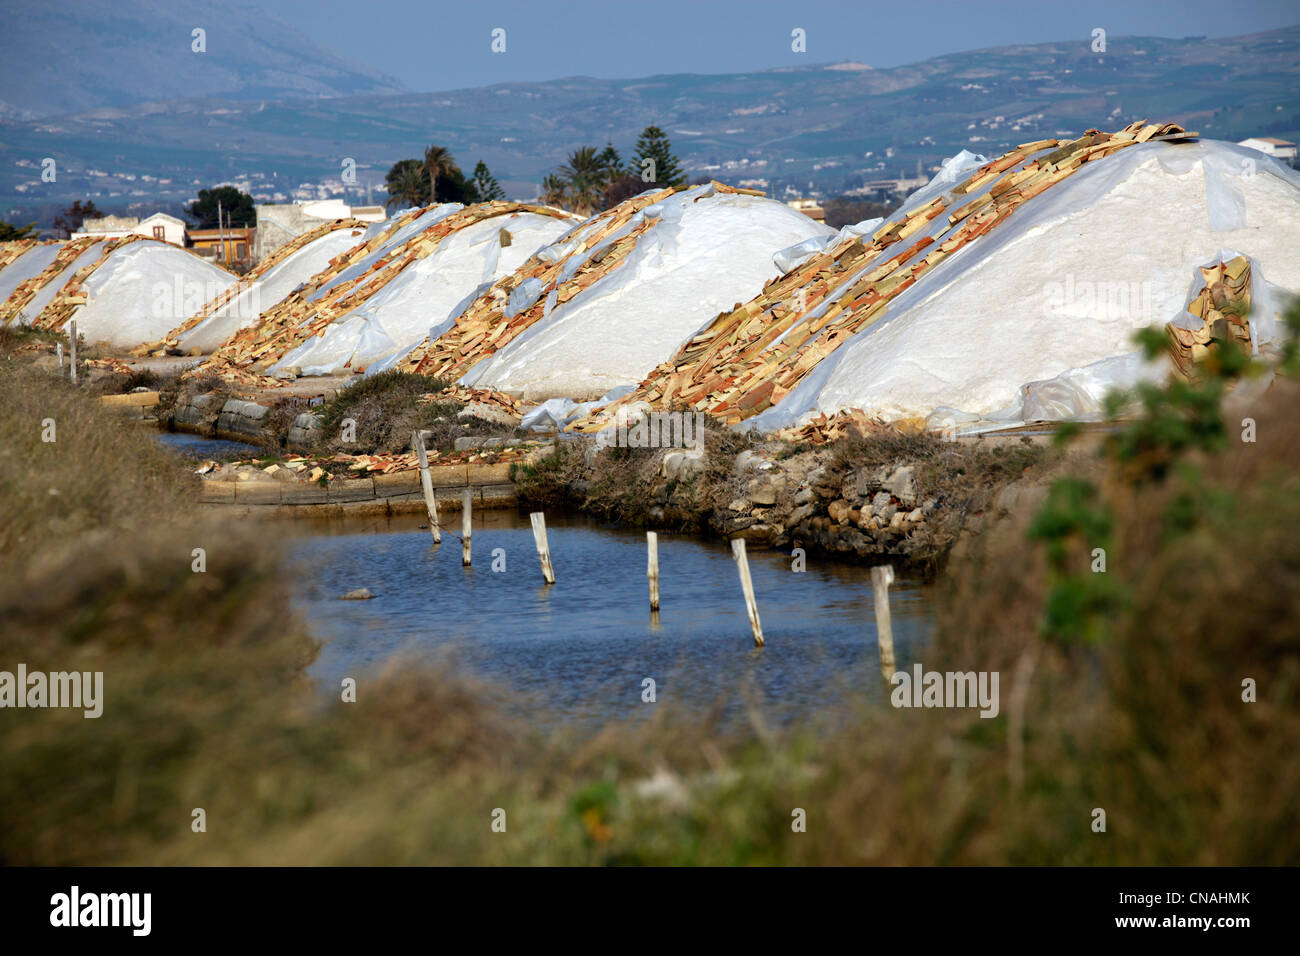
x=905 y=499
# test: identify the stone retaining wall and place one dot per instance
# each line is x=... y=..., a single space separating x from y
x=240 y=420
x=392 y=494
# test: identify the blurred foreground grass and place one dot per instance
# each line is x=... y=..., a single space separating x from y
x=1137 y=710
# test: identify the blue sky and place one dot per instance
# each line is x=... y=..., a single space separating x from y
x=437 y=45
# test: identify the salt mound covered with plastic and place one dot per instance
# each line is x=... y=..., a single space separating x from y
x=1036 y=320
x=29 y=312
x=711 y=251
x=399 y=314
x=144 y=290
x=52 y=288
x=27 y=266
x=244 y=309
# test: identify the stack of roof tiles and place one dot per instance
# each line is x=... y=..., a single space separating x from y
x=1223 y=306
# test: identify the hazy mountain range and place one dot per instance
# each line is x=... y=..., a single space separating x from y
x=825 y=127
x=62 y=56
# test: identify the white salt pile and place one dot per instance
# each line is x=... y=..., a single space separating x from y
x=277 y=282
x=31 y=263
x=144 y=290
x=710 y=251
x=398 y=315
x=29 y=312
x=1036 y=320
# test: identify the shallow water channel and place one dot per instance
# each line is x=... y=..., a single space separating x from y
x=580 y=650
x=196 y=446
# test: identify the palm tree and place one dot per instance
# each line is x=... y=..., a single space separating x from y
x=554 y=190
x=406 y=184
x=585 y=175
x=438 y=161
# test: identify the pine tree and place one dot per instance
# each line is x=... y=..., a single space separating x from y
x=9 y=231
x=653 y=158
x=609 y=159
x=485 y=184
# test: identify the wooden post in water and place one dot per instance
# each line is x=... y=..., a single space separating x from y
x=426 y=482
x=652 y=567
x=538 y=519
x=881 y=578
x=747 y=585
x=72 y=360
x=466 y=522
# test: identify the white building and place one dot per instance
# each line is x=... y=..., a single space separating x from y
x=1277 y=148
x=277 y=223
x=158 y=226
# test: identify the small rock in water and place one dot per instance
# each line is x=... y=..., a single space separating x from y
x=360 y=594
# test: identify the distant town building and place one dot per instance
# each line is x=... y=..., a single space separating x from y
x=231 y=246
x=1277 y=148
x=158 y=226
x=886 y=188
x=277 y=223
x=809 y=207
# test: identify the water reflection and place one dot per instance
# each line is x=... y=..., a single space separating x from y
x=580 y=649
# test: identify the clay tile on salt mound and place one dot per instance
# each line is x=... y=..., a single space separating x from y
x=389 y=289
x=11 y=250
x=935 y=258
x=25 y=263
x=134 y=290
x=137 y=292
x=601 y=307
x=32 y=295
x=273 y=278
x=1039 y=318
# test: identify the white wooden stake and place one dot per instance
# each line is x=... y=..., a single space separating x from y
x=543 y=547
x=426 y=482
x=72 y=359
x=466 y=520
x=652 y=567
x=59 y=349
x=881 y=579
x=747 y=585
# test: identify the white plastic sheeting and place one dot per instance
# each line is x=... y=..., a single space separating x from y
x=143 y=291
x=555 y=413
x=701 y=258
x=1037 y=318
x=52 y=288
x=31 y=263
x=396 y=317
x=277 y=282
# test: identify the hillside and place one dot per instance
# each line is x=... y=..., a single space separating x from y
x=823 y=125
x=62 y=56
